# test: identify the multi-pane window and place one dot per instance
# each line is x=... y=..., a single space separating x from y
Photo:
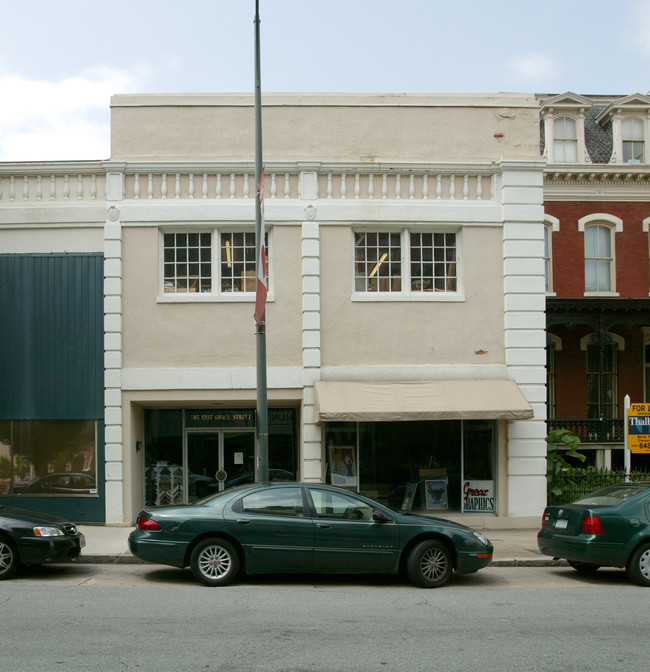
x=565 y=140
x=378 y=262
x=238 y=262
x=601 y=381
x=214 y=262
x=599 y=260
x=187 y=262
x=633 y=140
x=433 y=262
x=405 y=262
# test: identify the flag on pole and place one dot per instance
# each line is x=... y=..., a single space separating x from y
x=261 y=290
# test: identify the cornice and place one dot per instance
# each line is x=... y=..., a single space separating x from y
x=597 y=182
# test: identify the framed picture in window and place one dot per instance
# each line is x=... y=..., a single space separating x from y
x=343 y=466
x=435 y=493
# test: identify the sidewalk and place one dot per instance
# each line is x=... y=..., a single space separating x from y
x=512 y=548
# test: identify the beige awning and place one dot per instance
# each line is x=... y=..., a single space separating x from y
x=420 y=400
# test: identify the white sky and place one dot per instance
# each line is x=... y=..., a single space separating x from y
x=61 y=61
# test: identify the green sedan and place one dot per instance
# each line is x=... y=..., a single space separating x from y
x=608 y=528
x=304 y=528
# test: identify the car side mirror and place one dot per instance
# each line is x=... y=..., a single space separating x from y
x=379 y=516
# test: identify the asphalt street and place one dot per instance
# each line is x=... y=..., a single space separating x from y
x=148 y=617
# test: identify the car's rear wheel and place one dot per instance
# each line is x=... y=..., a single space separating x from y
x=8 y=559
x=429 y=564
x=214 y=562
x=638 y=567
x=584 y=567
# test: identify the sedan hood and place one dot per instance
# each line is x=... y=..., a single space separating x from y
x=30 y=517
x=411 y=517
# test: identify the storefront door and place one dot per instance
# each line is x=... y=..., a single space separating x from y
x=218 y=460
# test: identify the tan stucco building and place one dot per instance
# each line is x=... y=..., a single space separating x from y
x=405 y=316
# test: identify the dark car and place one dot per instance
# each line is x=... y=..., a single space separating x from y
x=29 y=538
x=64 y=483
x=608 y=528
x=304 y=528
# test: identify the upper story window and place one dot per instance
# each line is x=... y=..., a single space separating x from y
x=405 y=263
x=209 y=263
x=550 y=224
x=633 y=140
x=565 y=140
x=548 y=267
x=599 y=258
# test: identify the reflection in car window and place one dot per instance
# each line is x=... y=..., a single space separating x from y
x=336 y=505
x=611 y=496
x=276 y=502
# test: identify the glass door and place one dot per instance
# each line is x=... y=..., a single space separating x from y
x=218 y=460
x=238 y=458
x=203 y=464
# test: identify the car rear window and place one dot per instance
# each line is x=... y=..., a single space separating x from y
x=612 y=495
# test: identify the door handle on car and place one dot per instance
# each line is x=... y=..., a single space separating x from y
x=241 y=521
x=324 y=526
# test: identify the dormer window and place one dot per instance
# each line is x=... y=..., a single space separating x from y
x=633 y=140
x=564 y=128
x=565 y=140
x=630 y=123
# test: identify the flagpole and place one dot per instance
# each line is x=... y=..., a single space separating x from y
x=262 y=420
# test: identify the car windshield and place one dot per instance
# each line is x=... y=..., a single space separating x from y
x=612 y=495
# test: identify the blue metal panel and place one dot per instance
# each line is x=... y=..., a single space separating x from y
x=51 y=336
x=52 y=355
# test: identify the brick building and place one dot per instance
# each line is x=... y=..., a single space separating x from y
x=597 y=212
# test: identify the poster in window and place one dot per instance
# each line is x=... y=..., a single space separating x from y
x=435 y=492
x=343 y=467
x=478 y=496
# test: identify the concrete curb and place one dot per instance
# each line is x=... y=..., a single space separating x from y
x=126 y=559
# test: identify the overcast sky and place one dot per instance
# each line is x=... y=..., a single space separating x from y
x=61 y=61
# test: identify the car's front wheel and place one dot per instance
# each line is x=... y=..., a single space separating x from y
x=638 y=567
x=584 y=567
x=429 y=564
x=8 y=559
x=214 y=562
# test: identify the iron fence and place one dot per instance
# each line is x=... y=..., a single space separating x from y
x=566 y=486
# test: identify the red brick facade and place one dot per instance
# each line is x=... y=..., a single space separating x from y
x=631 y=247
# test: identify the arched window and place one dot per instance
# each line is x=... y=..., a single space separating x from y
x=633 y=140
x=565 y=140
x=550 y=224
x=599 y=258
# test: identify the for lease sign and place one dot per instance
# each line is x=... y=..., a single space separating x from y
x=638 y=428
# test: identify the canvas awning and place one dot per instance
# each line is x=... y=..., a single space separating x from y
x=420 y=400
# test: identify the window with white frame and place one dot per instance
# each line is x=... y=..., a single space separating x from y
x=216 y=262
x=405 y=262
x=633 y=140
x=548 y=266
x=599 y=258
x=565 y=140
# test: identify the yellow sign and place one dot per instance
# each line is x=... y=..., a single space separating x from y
x=638 y=428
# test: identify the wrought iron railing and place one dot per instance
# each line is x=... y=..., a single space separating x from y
x=590 y=430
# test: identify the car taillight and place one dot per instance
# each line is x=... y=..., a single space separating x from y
x=545 y=518
x=148 y=524
x=591 y=525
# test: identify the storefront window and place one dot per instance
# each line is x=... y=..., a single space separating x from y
x=418 y=466
x=48 y=457
x=164 y=457
x=191 y=453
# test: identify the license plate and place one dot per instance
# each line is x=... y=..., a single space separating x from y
x=82 y=540
x=561 y=524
